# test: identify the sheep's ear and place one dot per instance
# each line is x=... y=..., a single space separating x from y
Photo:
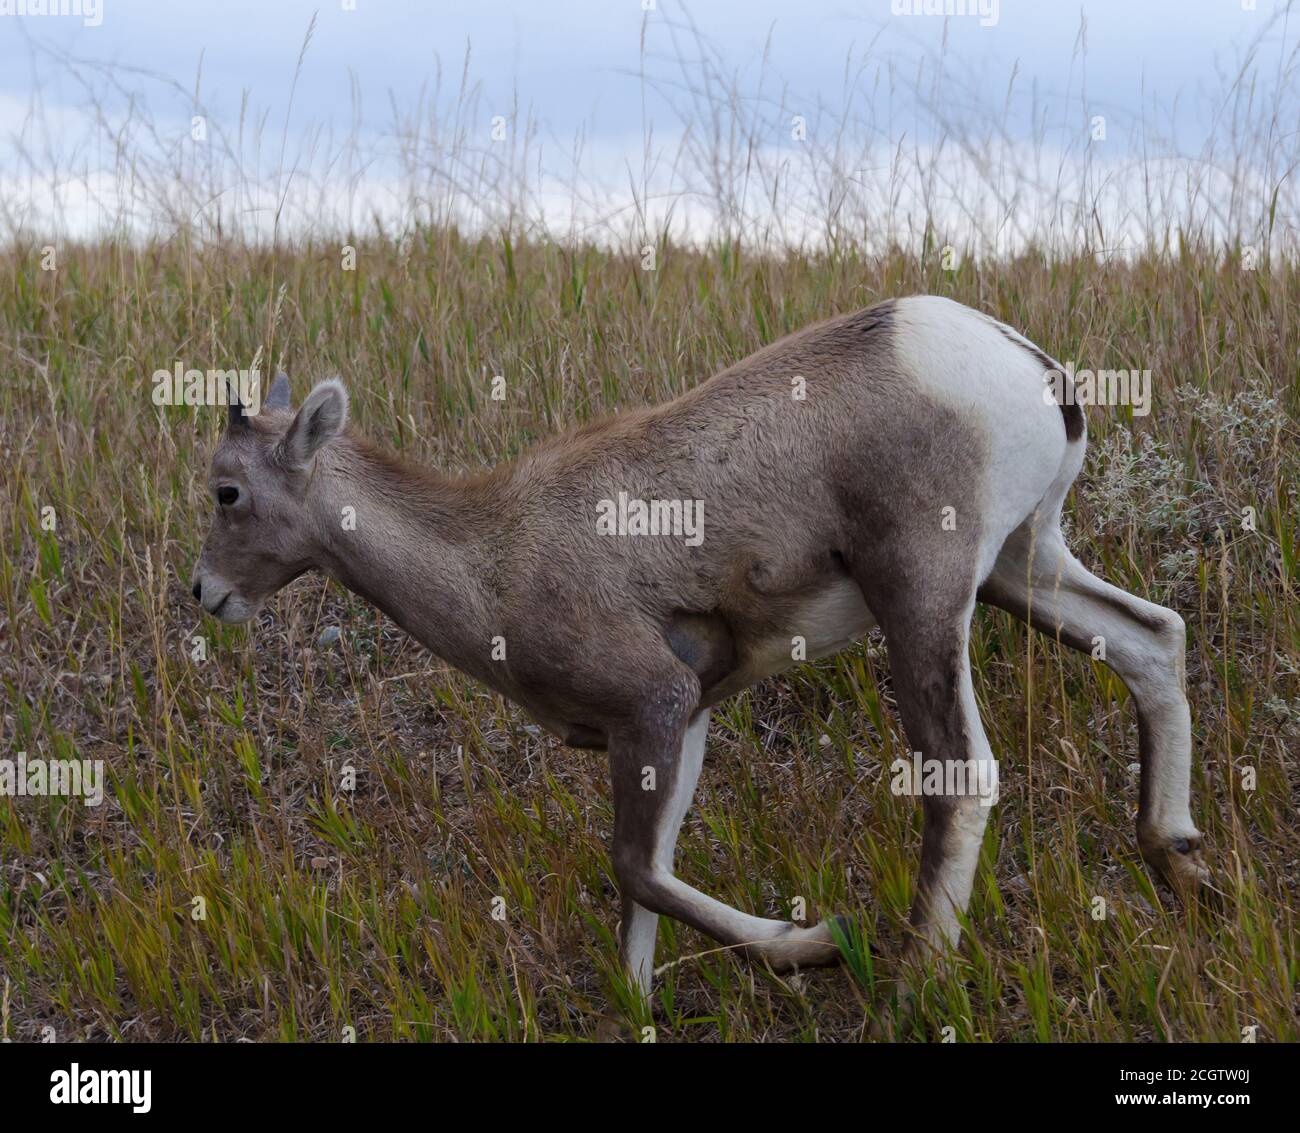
x=318 y=422
x=278 y=395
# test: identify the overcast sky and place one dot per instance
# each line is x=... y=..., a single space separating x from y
x=575 y=65
x=575 y=61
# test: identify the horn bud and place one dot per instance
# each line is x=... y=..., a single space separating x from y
x=236 y=419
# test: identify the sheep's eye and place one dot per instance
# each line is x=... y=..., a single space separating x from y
x=227 y=496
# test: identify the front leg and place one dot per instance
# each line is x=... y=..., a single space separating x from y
x=640 y=926
x=655 y=762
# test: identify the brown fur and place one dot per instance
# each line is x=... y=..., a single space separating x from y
x=624 y=642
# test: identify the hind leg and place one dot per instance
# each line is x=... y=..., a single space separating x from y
x=1037 y=579
x=930 y=668
x=923 y=599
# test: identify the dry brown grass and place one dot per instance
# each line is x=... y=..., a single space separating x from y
x=372 y=910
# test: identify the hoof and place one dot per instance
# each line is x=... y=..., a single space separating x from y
x=895 y=1014
x=1181 y=864
x=798 y=948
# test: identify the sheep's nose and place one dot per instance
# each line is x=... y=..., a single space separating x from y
x=197 y=592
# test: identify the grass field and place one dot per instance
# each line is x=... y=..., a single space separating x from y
x=327 y=909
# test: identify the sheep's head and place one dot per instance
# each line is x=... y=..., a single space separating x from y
x=262 y=536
